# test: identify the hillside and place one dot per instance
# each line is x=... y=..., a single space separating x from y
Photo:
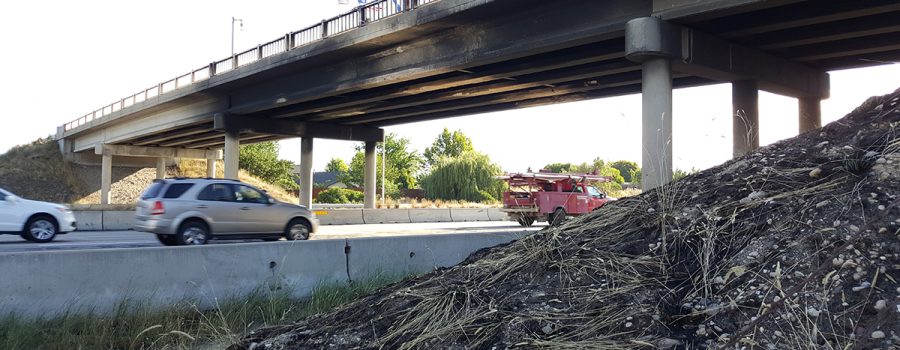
x=794 y=246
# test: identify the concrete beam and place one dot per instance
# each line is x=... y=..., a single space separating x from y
x=156 y=152
x=745 y=113
x=369 y=190
x=306 y=171
x=710 y=57
x=296 y=128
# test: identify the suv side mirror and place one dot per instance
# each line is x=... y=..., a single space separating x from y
x=271 y=200
x=11 y=199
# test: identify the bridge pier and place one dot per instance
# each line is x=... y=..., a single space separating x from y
x=105 y=178
x=161 y=168
x=232 y=154
x=369 y=175
x=745 y=116
x=306 y=171
x=810 y=113
x=654 y=43
x=211 y=168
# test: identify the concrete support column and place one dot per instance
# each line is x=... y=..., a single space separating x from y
x=161 y=168
x=369 y=176
x=105 y=178
x=810 y=113
x=210 y=168
x=745 y=117
x=656 y=92
x=232 y=154
x=306 y=171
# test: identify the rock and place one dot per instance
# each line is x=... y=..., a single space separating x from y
x=815 y=172
x=548 y=329
x=877 y=335
x=880 y=305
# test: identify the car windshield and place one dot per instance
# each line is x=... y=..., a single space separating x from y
x=6 y=193
x=594 y=191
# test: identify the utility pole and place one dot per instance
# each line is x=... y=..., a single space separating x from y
x=383 y=165
x=232 y=31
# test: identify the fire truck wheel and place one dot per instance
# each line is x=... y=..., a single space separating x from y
x=558 y=217
x=526 y=221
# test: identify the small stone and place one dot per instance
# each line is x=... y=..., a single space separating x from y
x=881 y=160
x=880 y=305
x=779 y=334
x=815 y=172
x=881 y=207
x=812 y=312
x=719 y=280
x=877 y=335
x=882 y=230
x=823 y=203
x=837 y=262
x=628 y=324
x=548 y=329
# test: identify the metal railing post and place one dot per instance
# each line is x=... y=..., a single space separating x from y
x=362 y=15
x=324 y=28
x=212 y=69
x=234 y=61
x=259 y=52
x=288 y=41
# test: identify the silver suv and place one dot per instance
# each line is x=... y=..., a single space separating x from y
x=193 y=211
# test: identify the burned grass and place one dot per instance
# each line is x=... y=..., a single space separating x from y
x=794 y=246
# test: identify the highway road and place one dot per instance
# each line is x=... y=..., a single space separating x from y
x=79 y=240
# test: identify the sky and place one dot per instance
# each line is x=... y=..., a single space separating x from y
x=63 y=59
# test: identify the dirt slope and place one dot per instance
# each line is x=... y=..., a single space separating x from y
x=794 y=246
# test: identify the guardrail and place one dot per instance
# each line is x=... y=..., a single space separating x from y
x=356 y=18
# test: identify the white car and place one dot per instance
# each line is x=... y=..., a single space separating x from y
x=33 y=220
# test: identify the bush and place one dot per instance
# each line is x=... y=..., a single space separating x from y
x=340 y=196
x=261 y=160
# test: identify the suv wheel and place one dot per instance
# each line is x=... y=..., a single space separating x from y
x=41 y=229
x=192 y=233
x=558 y=216
x=297 y=229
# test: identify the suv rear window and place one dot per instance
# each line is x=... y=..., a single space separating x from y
x=153 y=190
x=176 y=190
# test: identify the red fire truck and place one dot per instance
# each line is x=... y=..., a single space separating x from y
x=551 y=197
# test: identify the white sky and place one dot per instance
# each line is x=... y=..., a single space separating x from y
x=63 y=59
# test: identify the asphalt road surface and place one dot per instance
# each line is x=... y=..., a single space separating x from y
x=79 y=240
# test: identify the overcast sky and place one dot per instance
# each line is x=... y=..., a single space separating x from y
x=63 y=59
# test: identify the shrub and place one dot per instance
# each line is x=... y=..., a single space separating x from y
x=339 y=196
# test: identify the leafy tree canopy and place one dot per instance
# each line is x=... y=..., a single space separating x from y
x=261 y=160
x=448 y=145
x=403 y=165
x=469 y=176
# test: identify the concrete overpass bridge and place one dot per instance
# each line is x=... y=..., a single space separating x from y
x=383 y=64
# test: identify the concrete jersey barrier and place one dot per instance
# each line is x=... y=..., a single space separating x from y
x=94 y=220
x=98 y=280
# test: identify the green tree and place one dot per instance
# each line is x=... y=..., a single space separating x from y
x=337 y=165
x=339 y=196
x=626 y=168
x=448 y=145
x=558 y=167
x=261 y=160
x=402 y=166
x=678 y=174
x=469 y=176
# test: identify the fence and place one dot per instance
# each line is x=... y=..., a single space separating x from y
x=370 y=12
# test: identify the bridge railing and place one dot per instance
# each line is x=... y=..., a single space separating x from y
x=358 y=17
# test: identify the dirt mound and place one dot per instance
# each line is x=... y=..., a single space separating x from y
x=38 y=171
x=794 y=246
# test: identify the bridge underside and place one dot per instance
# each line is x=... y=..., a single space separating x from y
x=462 y=57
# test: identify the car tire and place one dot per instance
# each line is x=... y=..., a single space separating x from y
x=525 y=221
x=297 y=229
x=167 y=240
x=559 y=215
x=192 y=233
x=40 y=229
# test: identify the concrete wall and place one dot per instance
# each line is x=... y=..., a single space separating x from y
x=100 y=279
x=94 y=220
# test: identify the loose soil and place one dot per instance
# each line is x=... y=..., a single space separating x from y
x=794 y=246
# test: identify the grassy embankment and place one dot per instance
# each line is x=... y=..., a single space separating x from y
x=133 y=325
